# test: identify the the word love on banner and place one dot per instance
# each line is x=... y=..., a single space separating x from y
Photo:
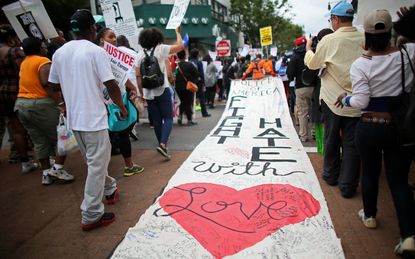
x=247 y=191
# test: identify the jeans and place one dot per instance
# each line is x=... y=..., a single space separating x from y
x=374 y=140
x=345 y=170
x=161 y=110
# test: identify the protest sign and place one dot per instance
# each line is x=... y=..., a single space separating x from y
x=248 y=190
x=119 y=16
x=121 y=62
x=212 y=55
x=177 y=13
x=30 y=19
x=266 y=36
x=245 y=50
x=274 y=51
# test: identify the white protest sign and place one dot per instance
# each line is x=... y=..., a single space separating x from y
x=121 y=63
x=248 y=190
x=119 y=16
x=274 y=51
x=30 y=19
x=212 y=55
x=219 y=67
x=177 y=13
x=245 y=50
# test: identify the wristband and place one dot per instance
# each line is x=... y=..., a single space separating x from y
x=346 y=101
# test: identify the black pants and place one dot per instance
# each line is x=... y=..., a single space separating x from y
x=202 y=100
x=221 y=87
x=372 y=140
x=210 y=95
x=344 y=170
x=186 y=103
x=122 y=141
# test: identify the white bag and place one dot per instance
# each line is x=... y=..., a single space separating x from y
x=66 y=139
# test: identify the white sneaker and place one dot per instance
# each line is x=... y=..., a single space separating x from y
x=406 y=246
x=61 y=174
x=368 y=222
x=46 y=180
x=29 y=166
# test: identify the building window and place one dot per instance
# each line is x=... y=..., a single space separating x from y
x=219 y=11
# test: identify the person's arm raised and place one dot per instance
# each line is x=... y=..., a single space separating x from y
x=179 y=43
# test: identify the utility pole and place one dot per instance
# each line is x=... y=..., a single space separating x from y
x=93 y=7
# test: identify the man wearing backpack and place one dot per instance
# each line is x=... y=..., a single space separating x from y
x=303 y=92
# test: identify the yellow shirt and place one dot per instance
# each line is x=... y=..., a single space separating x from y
x=29 y=83
x=337 y=51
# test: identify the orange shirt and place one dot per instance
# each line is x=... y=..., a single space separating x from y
x=29 y=83
x=268 y=66
x=256 y=70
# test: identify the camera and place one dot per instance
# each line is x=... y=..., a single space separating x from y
x=314 y=41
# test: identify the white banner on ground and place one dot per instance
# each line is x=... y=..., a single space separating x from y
x=30 y=19
x=177 y=13
x=121 y=63
x=248 y=190
x=119 y=16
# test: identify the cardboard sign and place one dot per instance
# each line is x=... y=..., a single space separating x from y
x=119 y=16
x=30 y=19
x=266 y=35
x=121 y=63
x=177 y=13
x=274 y=51
x=248 y=190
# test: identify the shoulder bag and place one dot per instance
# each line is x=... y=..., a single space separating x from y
x=190 y=86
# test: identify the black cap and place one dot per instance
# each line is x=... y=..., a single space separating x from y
x=81 y=20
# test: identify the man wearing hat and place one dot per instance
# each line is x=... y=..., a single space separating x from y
x=303 y=92
x=80 y=69
x=336 y=52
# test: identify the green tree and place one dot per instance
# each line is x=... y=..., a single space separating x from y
x=255 y=14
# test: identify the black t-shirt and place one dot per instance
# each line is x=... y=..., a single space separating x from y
x=189 y=71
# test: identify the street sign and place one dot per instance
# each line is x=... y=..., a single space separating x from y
x=223 y=48
x=266 y=35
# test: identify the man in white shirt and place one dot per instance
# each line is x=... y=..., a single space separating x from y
x=79 y=69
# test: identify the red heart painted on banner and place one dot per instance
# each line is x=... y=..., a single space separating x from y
x=226 y=221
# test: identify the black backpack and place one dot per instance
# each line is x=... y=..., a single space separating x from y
x=151 y=75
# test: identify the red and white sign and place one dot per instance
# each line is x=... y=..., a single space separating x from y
x=223 y=48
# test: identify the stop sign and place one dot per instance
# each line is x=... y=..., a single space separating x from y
x=223 y=48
